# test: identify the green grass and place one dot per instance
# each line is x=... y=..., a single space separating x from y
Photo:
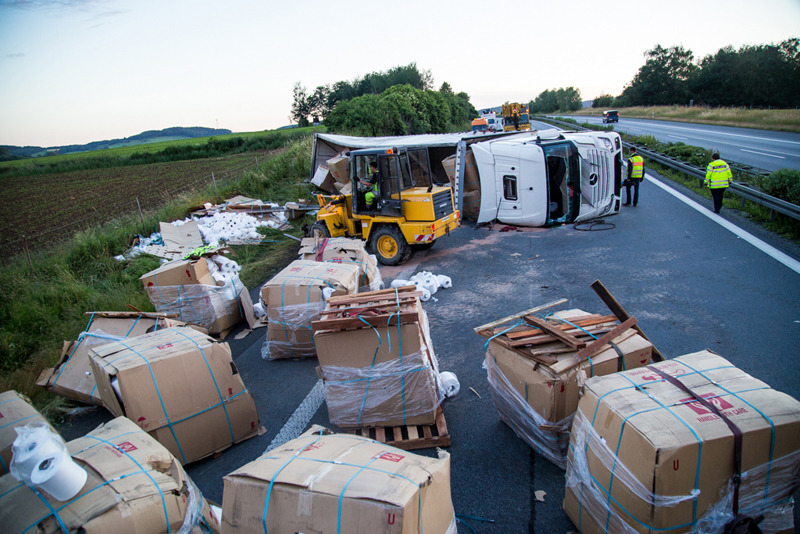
x=42 y=306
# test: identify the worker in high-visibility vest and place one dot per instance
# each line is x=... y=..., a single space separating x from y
x=635 y=177
x=371 y=184
x=718 y=179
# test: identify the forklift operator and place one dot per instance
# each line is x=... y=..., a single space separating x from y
x=370 y=185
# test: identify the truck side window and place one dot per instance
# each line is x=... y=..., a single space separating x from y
x=510 y=187
x=420 y=170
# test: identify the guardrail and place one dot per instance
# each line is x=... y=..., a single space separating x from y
x=745 y=192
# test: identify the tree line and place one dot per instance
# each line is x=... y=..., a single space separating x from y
x=400 y=101
x=759 y=76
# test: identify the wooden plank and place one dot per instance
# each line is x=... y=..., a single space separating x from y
x=413 y=433
x=592 y=320
x=556 y=332
x=372 y=296
x=595 y=347
x=418 y=436
x=480 y=329
x=354 y=309
x=617 y=309
x=544 y=339
x=372 y=320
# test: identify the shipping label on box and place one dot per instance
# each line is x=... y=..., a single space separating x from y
x=179 y=385
x=666 y=460
x=339 y=482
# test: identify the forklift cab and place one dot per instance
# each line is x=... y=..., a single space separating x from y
x=393 y=178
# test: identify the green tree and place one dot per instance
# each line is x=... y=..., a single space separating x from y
x=445 y=88
x=603 y=101
x=301 y=107
x=663 y=79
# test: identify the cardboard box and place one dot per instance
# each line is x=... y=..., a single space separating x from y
x=368 y=380
x=294 y=299
x=187 y=288
x=647 y=456
x=324 y=180
x=344 y=189
x=15 y=410
x=134 y=485
x=72 y=376
x=537 y=400
x=346 y=251
x=338 y=169
x=181 y=387
x=471 y=205
x=339 y=483
x=472 y=180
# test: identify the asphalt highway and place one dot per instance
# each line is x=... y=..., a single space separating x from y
x=764 y=149
x=694 y=280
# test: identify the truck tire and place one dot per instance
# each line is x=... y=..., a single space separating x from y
x=322 y=228
x=390 y=246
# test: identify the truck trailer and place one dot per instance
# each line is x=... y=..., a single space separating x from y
x=535 y=178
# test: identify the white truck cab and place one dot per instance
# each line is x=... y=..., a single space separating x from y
x=548 y=177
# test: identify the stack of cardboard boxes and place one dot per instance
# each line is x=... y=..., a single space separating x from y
x=294 y=299
x=655 y=450
x=323 y=482
x=347 y=251
x=332 y=176
x=377 y=361
x=536 y=374
x=187 y=289
x=472 y=184
x=179 y=385
x=133 y=484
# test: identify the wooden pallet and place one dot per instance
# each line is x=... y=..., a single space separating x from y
x=410 y=437
x=374 y=308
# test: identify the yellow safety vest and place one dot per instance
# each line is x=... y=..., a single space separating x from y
x=638 y=167
x=718 y=175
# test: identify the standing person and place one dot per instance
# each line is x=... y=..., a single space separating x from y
x=718 y=179
x=635 y=177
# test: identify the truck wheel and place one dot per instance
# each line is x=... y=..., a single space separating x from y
x=390 y=246
x=322 y=228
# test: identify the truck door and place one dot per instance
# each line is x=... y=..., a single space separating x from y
x=507 y=174
x=394 y=177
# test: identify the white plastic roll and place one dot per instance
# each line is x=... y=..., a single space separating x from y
x=449 y=383
x=445 y=281
x=426 y=295
x=402 y=283
x=29 y=451
x=59 y=476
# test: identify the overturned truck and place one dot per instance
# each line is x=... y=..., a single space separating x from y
x=536 y=178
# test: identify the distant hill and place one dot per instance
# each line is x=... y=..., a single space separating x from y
x=150 y=136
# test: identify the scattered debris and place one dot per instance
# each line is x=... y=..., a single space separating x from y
x=475 y=392
x=539 y=495
x=427 y=283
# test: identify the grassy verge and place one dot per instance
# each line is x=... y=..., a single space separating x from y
x=785 y=120
x=42 y=306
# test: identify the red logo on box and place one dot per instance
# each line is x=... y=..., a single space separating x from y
x=313 y=446
x=1 y=415
x=162 y=347
x=126 y=446
x=699 y=409
x=392 y=457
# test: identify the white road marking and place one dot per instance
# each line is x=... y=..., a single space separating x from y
x=762 y=153
x=678 y=137
x=771 y=251
x=302 y=415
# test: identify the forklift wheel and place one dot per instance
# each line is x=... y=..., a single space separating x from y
x=390 y=246
x=321 y=227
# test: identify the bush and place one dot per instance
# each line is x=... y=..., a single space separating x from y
x=783 y=184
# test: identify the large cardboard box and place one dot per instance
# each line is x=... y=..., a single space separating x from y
x=338 y=169
x=380 y=373
x=472 y=180
x=187 y=288
x=471 y=205
x=339 y=483
x=72 y=376
x=647 y=456
x=294 y=300
x=134 y=485
x=324 y=180
x=15 y=411
x=537 y=399
x=180 y=386
x=344 y=250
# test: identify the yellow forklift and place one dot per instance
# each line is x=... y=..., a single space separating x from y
x=409 y=212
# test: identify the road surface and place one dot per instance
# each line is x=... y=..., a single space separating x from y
x=763 y=149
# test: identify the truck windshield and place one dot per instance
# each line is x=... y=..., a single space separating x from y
x=523 y=118
x=562 y=165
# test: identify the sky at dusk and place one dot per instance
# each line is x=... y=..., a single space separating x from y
x=76 y=71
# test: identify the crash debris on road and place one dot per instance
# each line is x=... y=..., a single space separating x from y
x=536 y=368
x=16 y=411
x=683 y=444
x=325 y=482
x=344 y=250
